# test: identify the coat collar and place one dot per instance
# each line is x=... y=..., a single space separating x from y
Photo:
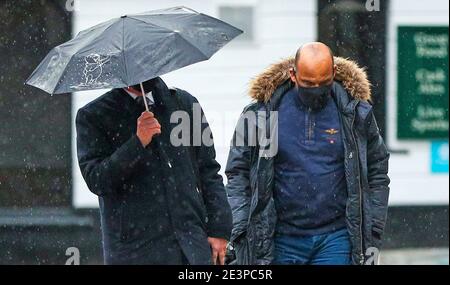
x=352 y=77
x=346 y=104
x=133 y=95
x=160 y=94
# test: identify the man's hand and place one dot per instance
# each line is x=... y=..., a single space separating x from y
x=219 y=249
x=147 y=127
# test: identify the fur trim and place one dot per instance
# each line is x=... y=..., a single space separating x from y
x=353 y=78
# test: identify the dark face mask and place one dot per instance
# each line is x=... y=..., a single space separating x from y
x=315 y=98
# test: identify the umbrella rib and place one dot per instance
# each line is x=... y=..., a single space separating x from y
x=123 y=52
x=189 y=43
x=62 y=73
x=150 y=23
x=91 y=40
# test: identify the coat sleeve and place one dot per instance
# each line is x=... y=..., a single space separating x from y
x=219 y=224
x=377 y=165
x=238 y=175
x=103 y=168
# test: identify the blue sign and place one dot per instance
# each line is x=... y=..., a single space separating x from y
x=439 y=157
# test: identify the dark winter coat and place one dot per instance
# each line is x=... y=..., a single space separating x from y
x=251 y=173
x=153 y=208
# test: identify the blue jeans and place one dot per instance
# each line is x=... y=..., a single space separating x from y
x=327 y=249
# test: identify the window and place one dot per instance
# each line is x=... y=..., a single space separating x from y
x=241 y=17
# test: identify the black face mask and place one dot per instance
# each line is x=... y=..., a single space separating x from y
x=315 y=98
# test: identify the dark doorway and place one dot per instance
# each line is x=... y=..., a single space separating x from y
x=351 y=30
x=35 y=128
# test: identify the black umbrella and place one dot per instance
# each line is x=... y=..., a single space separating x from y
x=131 y=49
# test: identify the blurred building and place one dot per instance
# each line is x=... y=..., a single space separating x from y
x=45 y=206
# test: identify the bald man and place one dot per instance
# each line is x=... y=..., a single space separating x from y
x=322 y=198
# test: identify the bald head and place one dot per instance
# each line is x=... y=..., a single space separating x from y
x=314 y=65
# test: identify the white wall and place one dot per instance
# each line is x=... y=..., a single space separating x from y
x=281 y=26
x=412 y=181
x=220 y=84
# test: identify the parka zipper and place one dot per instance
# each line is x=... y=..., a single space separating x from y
x=310 y=124
x=360 y=191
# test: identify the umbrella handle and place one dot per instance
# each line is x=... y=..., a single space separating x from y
x=143 y=94
x=163 y=154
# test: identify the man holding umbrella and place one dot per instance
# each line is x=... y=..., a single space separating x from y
x=153 y=209
x=159 y=203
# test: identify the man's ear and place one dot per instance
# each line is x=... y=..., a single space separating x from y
x=292 y=75
x=334 y=71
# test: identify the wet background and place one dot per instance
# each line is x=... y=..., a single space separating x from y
x=45 y=206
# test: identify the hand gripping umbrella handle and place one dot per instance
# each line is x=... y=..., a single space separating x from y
x=161 y=150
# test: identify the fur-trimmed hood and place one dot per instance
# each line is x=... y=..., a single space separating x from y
x=352 y=77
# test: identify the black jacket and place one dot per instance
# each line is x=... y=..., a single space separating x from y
x=153 y=211
x=250 y=170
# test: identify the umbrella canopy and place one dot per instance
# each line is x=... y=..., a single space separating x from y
x=131 y=49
